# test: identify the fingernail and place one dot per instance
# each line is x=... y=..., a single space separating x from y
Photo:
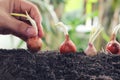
x=31 y=32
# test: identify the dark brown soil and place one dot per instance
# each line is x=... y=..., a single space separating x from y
x=20 y=64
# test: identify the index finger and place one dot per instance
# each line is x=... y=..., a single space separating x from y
x=33 y=12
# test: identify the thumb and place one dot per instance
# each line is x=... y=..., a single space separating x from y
x=21 y=28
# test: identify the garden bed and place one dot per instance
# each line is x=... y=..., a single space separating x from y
x=20 y=64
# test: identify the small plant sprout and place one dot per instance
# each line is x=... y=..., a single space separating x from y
x=113 y=46
x=33 y=23
x=91 y=50
x=34 y=44
x=67 y=46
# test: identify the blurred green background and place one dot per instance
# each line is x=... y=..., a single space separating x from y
x=80 y=16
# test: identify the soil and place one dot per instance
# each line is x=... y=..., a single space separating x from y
x=20 y=64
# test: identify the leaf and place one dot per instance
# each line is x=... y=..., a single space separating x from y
x=105 y=36
x=20 y=43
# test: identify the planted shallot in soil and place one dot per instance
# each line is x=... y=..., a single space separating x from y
x=91 y=50
x=34 y=44
x=67 y=46
x=113 y=46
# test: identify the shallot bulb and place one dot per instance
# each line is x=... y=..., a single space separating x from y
x=91 y=50
x=67 y=46
x=113 y=46
x=34 y=44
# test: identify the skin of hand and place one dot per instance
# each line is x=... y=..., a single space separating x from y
x=19 y=26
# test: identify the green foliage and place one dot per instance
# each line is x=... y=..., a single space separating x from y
x=105 y=36
x=57 y=2
x=73 y=18
x=21 y=42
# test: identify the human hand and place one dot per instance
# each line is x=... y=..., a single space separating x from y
x=18 y=26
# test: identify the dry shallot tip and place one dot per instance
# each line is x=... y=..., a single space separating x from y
x=91 y=50
x=113 y=46
x=67 y=46
x=63 y=26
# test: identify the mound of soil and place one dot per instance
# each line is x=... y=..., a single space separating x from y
x=21 y=64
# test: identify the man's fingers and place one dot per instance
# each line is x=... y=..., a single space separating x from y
x=21 y=28
x=33 y=12
x=40 y=28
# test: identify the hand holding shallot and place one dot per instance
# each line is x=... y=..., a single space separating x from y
x=34 y=44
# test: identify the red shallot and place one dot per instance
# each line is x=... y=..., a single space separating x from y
x=113 y=46
x=67 y=46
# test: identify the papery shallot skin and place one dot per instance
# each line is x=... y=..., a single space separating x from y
x=90 y=50
x=67 y=46
x=113 y=47
x=34 y=44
